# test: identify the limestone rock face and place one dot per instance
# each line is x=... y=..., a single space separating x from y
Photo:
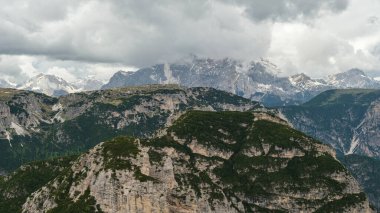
x=22 y=113
x=207 y=162
x=349 y=121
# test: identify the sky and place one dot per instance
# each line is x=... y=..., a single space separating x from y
x=95 y=38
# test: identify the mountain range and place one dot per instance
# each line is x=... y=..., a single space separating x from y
x=53 y=85
x=256 y=80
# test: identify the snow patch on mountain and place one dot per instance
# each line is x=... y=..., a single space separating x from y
x=354 y=144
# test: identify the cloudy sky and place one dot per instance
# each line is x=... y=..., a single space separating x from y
x=95 y=38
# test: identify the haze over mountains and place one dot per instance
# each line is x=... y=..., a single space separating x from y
x=257 y=80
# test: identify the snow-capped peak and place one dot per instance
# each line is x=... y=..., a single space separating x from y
x=4 y=83
x=304 y=82
x=299 y=78
x=270 y=67
x=49 y=84
x=353 y=78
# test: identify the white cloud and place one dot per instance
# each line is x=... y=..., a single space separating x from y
x=331 y=44
x=20 y=68
x=75 y=39
x=62 y=72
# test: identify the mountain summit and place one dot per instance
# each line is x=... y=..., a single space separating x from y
x=48 y=84
x=55 y=86
x=353 y=78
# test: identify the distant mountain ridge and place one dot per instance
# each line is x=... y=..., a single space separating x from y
x=347 y=119
x=55 y=86
x=257 y=80
x=48 y=84
x=354 y=78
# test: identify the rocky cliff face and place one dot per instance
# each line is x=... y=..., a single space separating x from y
x=346 y=119
x=18 y=185
x=367 y=171
x=206 y=162
x=22 y=112
x=349 y=121
x=366 y=135
x=35 y=126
